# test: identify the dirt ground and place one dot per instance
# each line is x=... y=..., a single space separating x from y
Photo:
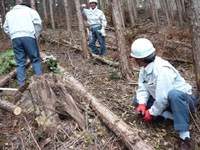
x=105 y=83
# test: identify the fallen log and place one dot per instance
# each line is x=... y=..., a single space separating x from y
x=120 y=128
x=9 y=107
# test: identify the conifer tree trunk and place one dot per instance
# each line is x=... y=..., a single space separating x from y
x=132 y=19
x=121 y=10
x=82 y=30
x=135 y=13
x=51 y=14
x=171 y=9
x=179 y=9
x=44 y=9
x=195 y=30
x=125 y=68
x=68 y=19
x=165 y=8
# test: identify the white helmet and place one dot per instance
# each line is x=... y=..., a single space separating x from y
x=141 y=48
x=90 y=1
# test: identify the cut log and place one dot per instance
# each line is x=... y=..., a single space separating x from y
x=9 y=107
x=120 y=128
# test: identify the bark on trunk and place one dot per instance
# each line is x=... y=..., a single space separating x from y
x=166 y=9
x=179 y=9
x=51 y=14
x=121 y=10
x=125 y=68
x=195 y=30
x=9 y=107
x=68 y=19
x=126 y=134
x=130 y=13
x=44 y=9
x=135 y=10
x=50 y=95
x=82 y=30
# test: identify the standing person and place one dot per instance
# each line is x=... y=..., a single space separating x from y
x=97 y=22
x=23 y=25
x=162 y=90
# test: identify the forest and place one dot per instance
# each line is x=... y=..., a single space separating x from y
x=84 y=101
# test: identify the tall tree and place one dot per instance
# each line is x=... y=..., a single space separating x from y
x=135 y=10
x=3 y=11
x=121 y=10
x=33 y=4
x=166 y=9
x=51 y=14
x=82 y=30
x=132 y=19
x=44 y=9
x=68 y=18
x=195 y=30
x=179 y=9
x=125 y=68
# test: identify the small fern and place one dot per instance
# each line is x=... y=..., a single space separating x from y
x=7 y=59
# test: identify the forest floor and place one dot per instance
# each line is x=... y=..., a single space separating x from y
x=105 y=83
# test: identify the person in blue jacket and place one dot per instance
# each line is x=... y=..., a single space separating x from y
x=97 y=22
x=162 y=91
x=23 y=26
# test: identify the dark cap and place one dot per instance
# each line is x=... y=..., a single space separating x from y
x=25 y=4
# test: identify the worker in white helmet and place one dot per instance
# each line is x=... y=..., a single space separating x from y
x=162 y=91
x=97 y=22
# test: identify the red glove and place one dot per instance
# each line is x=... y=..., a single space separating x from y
x=148 y=117
x=141 y=108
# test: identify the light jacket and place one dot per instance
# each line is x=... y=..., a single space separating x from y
x=22 y=21
x=156 y=80
x=95 y=17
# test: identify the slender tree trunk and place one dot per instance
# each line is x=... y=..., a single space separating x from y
x=179 y=9
x=171 y=9
x=121 y=10
x=130 y=13
x=3 y=11
x=165 y=7
x=18 y=1
x=154 y=12
x=82 y=29
x=44 y=9
x=135 y=10
x=125 y=68
x=51 y=13
x=68 y=19
x=186 y=3
x=33 y=4
x=195 y=30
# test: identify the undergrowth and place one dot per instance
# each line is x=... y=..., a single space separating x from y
x=7 y=60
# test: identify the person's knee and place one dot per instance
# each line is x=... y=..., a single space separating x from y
x=135 y=103
x=172 y=94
